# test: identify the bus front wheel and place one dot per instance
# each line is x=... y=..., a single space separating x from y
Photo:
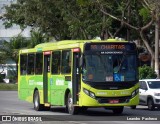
x=36 y=101
x=70 y=107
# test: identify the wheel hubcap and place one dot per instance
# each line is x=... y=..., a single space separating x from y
x=36 y=102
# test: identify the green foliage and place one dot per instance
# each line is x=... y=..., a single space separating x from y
x=2 y=55
x=69 y=19
x=78 y=19
x=1 y=77
x=18 y=42
x=9 y=50
x=10 y=86
x=37 y=37
x=146 y=72
x=12 y=79
x=38 y=14
x=144 y=12
x=84 y=2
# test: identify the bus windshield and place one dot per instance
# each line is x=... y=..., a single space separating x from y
x=110 y=68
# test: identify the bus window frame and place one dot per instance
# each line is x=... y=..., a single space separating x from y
x=33 y=64
x=59 y=68
x=70 y=61
x=25 y=73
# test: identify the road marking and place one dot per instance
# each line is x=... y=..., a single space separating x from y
x=76 y=122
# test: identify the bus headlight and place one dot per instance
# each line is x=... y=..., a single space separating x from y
x=89 y=93
x=134 y=93
x=92 y=95
x=86 y=91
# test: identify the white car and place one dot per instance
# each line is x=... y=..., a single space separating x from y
x=149 y=93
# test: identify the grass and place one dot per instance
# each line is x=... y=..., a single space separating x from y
x=10 y=86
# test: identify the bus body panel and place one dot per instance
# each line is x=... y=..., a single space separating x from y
x=23 y=88
x=110 y=94
x=90 y=102
x=58 y=88
x=28 y=84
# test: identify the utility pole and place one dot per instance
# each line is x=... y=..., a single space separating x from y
x=157 y=42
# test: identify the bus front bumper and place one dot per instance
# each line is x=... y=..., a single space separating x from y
x=109 y=101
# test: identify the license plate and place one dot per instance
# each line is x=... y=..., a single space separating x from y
x=114 y=101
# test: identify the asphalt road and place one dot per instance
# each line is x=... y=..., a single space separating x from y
x=12 y=106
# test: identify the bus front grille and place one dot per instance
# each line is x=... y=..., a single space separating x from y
x=113 y=100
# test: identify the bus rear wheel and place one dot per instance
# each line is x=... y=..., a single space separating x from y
x=70 y=107
x=36 y=101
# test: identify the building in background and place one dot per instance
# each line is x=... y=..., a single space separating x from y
x=7 y=34
x=9 y=69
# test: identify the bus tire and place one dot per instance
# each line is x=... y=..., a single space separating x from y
x=118 y=110
x=70 y=107
x=36 y=101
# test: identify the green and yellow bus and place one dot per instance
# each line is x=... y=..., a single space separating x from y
x=78 y=74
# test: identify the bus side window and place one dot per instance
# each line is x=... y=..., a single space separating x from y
x=56 y=56
x=23 y=64
x=30 y=67
x=66 y=61
x=39 y=63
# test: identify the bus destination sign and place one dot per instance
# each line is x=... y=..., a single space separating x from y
x=107 y=47
x=110 y=47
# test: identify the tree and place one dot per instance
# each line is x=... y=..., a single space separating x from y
x=37 y=37
x=9 y=50
x=2 y=56
x=63 y=19
x=37 y=14
x=146 y=72
x=154 y=6
x=147 y=7
x=148 y=12
x=86 y=19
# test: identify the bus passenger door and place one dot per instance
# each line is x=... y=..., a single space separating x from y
x=46 y=72
x=76 y=75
